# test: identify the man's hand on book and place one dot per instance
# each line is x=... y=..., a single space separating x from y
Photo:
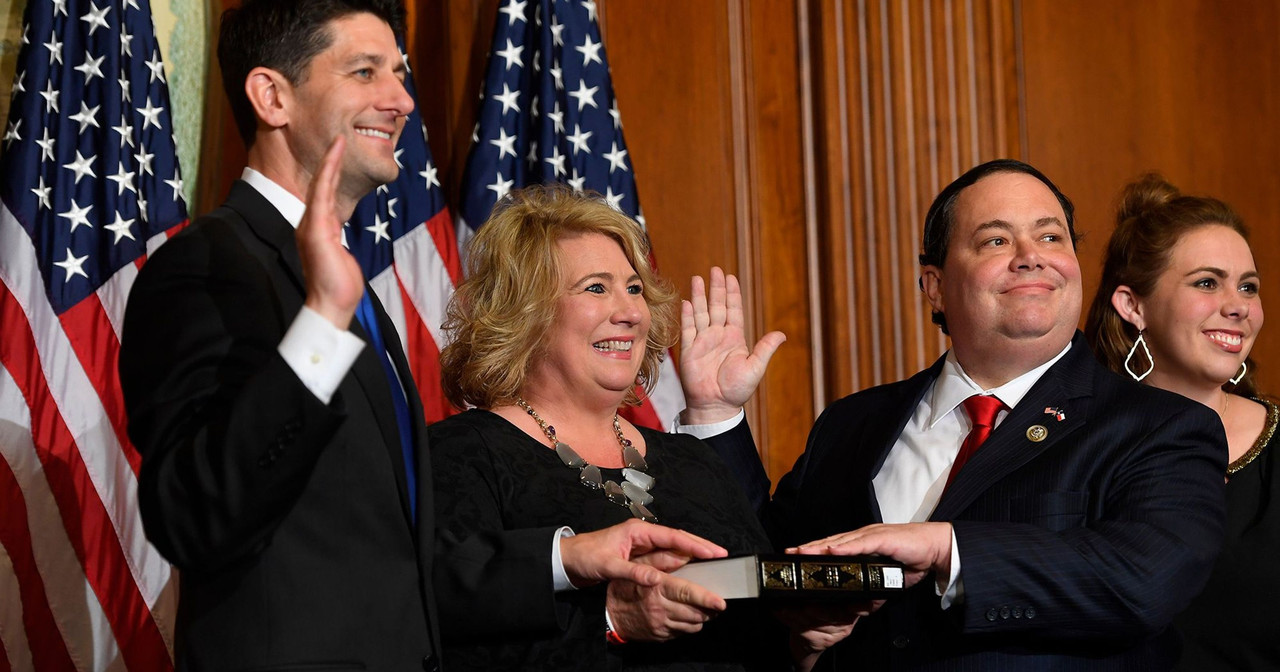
x=921 y=547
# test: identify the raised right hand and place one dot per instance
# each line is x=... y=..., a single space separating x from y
x=333 y=278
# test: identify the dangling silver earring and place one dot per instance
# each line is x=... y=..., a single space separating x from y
x=1151 y=363
x=1244 y=368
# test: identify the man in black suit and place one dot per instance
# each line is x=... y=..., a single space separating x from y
x=285 y=470
x=1067 y=537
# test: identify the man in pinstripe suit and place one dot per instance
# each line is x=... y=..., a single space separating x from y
x=1063 y=535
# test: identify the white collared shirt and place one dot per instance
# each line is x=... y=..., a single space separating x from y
x=318 y=352
x=913 y=476
x=321 y=354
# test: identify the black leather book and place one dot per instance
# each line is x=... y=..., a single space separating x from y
x=798 y=577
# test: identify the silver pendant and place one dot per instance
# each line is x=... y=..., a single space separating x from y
x=633 y=458
x=639 y=511
x=590 y=477
x=636 y=494
x=639 y=478
x=615 y=494
x=569 y=456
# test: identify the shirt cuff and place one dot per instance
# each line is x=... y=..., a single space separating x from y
x=560 y=578
x=954 y=594
x=707 y=431
x=319 y=353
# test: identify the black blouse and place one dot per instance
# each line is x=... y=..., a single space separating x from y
x=1232 y=624
x=491 y=476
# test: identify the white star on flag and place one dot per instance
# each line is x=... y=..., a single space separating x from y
x=73 y=265
x=586 y=95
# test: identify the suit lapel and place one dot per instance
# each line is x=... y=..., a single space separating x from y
x=270 y=227
x=885 y=435
x=266 y=222
x=1065 y=388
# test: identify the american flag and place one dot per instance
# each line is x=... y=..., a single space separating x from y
x=548 y=114
x=403 y=236
x=90 y=184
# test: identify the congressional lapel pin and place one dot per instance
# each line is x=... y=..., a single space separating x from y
x=1037 y=433
x=1055 y=412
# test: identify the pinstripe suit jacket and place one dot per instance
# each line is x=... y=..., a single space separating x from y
x=1076 y=551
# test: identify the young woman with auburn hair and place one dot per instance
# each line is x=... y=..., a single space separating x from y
x=1178 y=308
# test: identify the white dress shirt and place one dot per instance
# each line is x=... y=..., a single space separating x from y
x=321 y=354
x=318 y=352
x=914 y=474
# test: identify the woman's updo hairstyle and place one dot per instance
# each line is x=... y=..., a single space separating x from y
x=1153 y=215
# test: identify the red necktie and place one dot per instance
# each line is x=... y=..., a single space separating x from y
x=982 y=410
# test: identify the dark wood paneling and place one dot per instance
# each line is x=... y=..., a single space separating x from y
x=909 y=95
x=798 y=144
x=709 y=94
x=1190 y=88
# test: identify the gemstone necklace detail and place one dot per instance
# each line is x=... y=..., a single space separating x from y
x=633 y=493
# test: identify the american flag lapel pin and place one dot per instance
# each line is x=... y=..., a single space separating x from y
x=1055 y=412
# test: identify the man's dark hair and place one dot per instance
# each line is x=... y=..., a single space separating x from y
x=940 y=220
x=283 y=35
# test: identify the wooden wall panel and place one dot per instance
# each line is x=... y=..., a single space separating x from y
x=909 y=95
x=799 y=143
x=1187 y=87
x=710 y=99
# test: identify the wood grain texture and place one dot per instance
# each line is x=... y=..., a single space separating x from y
x=1190 y=88
x=798 y=143
x=910 y=94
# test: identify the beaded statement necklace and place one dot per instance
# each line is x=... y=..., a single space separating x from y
x=633 y=493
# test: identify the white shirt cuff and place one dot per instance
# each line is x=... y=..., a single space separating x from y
x=707 y=431
x=954 y=594
x=560 y=578
x=319 y=353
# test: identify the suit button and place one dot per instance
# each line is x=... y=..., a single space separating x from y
x=1017 y=612
x=991 y=614
x=1030 y=612
x=1004 y=613
x=901 y=641
x=431 y=664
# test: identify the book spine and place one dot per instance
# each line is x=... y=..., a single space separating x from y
x=846 y=577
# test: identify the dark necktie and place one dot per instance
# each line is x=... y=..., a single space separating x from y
x=982 y=410
x=369 y=320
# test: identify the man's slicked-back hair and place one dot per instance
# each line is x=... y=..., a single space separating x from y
x=940 y=220
x=283 y=35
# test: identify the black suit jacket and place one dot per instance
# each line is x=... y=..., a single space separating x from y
x=287 y=518
x=1076 y=551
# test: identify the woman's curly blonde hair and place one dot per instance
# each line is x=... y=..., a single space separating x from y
x=499 y=316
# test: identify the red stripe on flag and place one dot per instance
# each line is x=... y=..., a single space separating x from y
x=83 y=515
x=169 y=233
x=440 y=226
x=424 y=362
x=48 y=650
x=644 y=414
x=94 y=341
